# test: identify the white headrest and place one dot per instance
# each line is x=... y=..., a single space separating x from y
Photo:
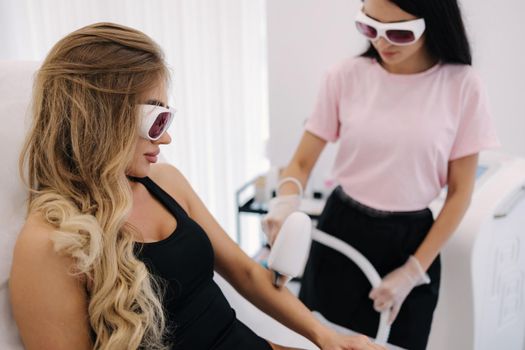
x=16 y=81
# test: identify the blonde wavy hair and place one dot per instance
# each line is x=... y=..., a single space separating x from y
x=83 y=135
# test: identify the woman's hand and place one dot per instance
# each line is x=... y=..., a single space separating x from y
x=336 y=341
x=279 y=209
x=396 y=286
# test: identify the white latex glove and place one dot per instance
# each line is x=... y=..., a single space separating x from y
x=396 y=286
x=336 y=341
x=278 y=210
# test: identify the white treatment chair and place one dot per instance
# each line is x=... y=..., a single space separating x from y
x=16 y=79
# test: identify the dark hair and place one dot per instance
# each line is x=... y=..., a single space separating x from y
x=446 y=38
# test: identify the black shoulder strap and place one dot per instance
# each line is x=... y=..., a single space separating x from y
x=156 y=191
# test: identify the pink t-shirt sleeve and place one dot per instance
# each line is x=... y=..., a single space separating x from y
x=475 y=131
x=324 y=121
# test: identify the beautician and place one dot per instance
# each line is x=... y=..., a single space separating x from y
x=411 y=116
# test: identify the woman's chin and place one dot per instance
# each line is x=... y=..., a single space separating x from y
x=139 y=172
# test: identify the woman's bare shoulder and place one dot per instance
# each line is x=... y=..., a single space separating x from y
x=35 y=252
x=49 y=302
x=171 y=180
x=35 y=236
x=35 y=255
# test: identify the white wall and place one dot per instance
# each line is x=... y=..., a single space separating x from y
x=496 y=31
x=216 y=51
x=305 y=37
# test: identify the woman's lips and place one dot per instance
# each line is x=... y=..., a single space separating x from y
x=388 y=54
x=152 y=157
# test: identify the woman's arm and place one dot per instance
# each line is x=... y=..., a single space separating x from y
x=250 y=279
x=303 y=160
x=49 y=304
x=396 y=286
x=461 y=179
x=288 y=199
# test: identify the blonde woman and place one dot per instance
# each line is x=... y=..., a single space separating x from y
x=118 y=252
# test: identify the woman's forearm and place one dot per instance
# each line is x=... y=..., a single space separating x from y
x=295 y=170
x=461 y=179
x=445 y=225
x=282 y=305
x=303 y=161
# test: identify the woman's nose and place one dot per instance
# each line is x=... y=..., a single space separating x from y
x=381 y=43
x=164 y=139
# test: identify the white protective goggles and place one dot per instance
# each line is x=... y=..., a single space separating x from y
x=396 y=33
x=154 y=120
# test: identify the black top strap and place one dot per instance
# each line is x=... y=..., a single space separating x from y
x=156 y=191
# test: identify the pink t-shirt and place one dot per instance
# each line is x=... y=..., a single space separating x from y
x=398 y=132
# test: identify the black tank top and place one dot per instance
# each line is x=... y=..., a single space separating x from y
x=198 y=315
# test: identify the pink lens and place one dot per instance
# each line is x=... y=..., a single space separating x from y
x=160 y=125
x=400 y=36
x=366 y=30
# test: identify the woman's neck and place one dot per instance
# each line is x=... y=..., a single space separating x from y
x=417 y=63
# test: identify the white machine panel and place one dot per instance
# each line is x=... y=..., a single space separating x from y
x=482 y=294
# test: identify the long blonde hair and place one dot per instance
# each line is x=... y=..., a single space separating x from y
x=80 y=144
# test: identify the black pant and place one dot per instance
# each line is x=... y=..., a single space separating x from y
x=333 y=285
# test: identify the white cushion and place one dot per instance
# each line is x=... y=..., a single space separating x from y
x=16 y=81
